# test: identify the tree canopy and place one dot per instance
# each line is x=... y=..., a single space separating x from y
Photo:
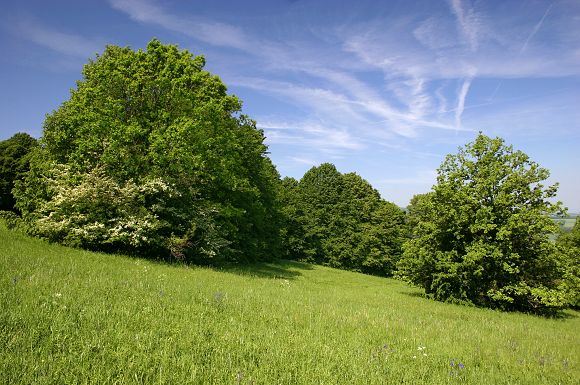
x=483 y=233
x=340 y=220
x=158 y=159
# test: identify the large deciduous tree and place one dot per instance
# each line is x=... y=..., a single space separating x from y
x=151 y=154
x=482 y=235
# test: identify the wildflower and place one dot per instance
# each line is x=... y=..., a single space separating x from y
x=58 y=295
x=460 y=366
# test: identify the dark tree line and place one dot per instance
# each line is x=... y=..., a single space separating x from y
x=340 y=220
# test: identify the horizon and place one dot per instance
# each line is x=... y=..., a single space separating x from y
x=383 y=90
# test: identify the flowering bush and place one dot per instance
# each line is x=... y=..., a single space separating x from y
x=92 y=210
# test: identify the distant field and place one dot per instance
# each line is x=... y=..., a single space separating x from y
x=566 y=224
x=75 y=317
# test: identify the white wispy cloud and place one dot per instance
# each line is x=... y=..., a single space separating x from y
x=536 y=28
x=461 y=101
x=212 y=32
x=310 y=134
x=344 y=111
x=69 y=44
x=306 y=161
x=424 y=177
x=468 y=23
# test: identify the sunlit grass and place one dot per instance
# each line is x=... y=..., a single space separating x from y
x=70 y=316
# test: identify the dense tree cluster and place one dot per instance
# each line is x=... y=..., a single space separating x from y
x=482 y=234
x=340 y=220
x=150 y=155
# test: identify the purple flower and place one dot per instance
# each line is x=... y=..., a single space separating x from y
x=460 y=366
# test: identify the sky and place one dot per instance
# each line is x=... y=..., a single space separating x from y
x=385 y=89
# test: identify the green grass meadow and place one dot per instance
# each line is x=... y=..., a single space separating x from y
x=75 y=317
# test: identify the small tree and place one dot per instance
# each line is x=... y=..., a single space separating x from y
x=485 y=238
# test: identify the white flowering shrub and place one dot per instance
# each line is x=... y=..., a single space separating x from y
x=92 y=210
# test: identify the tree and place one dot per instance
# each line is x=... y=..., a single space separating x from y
x=146 y=118
x=569 y=245
x=418 y=212
x=340 y=220
x=485 y=237
x=14 y=163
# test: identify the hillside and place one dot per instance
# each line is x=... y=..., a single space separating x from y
x=72 y=316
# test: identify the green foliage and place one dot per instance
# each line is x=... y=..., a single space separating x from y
x=69 y=316
x=569 y=245
x=140 y=120
x=341 y=221
x=14 y=163
x=482 y=234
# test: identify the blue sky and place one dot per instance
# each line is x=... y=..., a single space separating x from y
x=382 y=88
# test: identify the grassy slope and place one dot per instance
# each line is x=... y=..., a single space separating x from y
x=70 y=316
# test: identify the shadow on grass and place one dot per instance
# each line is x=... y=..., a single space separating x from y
x=274 y=270
x=414 y=294
x=559 y=315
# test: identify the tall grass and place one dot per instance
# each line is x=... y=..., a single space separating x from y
x=75 y=317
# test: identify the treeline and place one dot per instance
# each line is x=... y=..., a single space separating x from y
x=151 y=156
x=340 y=220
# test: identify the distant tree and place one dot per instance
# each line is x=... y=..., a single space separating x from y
x=571 y=238
x=569 y=245
x=485 y=236
x=340 y=220
x=14 y=163
x=154 y=132
x=295 y=246
x=418 y=211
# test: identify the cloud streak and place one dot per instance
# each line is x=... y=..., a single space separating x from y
x=461 y=101
x=468 y=23
x=536 y=28
x=215 y=33
x=64 y=43
x=342 y=109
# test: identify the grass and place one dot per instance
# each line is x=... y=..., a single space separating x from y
x=69 y=316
